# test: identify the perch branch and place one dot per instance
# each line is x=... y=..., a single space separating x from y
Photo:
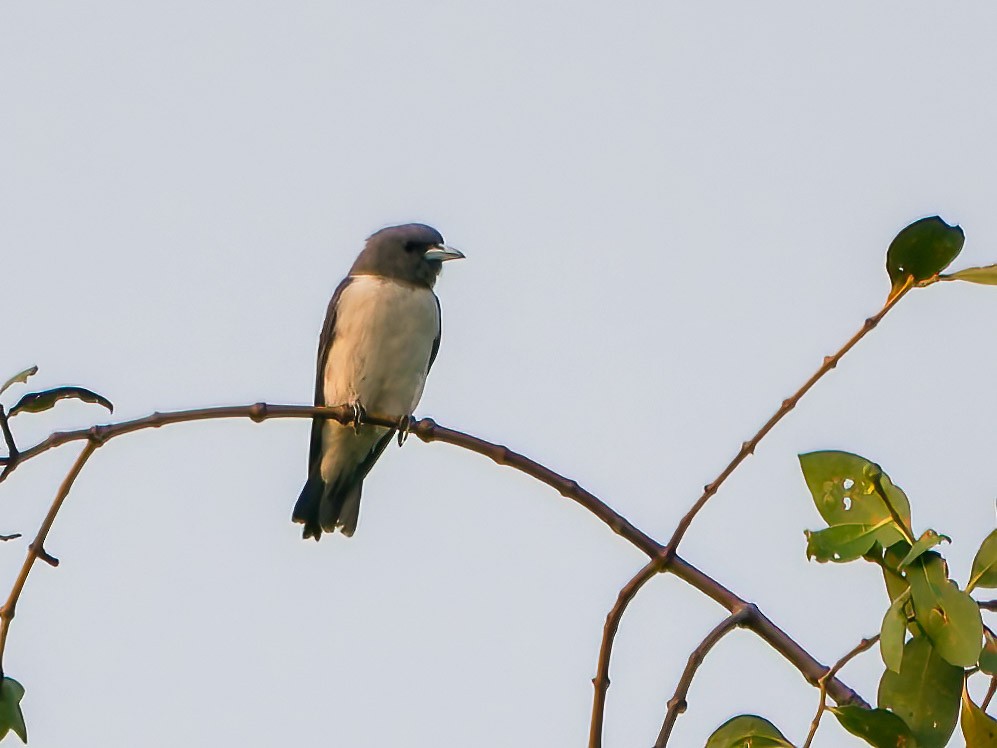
x=428 y=431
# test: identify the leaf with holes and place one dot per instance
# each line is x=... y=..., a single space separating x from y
x=984 y=573
x=988 y=657
x=877 y=727
x=922 y=250
x=20 y=378
x=747 y=731
x=11 y=717
x=949 y=616
x=978 y=727
x=842 y=543
x=893 y=632
x=36 y=402
x=843 y=486
x=928 y=540
x=986 y=275
x=924 y=694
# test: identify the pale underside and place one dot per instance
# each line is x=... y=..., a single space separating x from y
x=380 y=355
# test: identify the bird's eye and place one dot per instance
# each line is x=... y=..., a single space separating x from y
x=412 y=246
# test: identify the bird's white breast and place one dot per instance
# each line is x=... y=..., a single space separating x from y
x=381 y=345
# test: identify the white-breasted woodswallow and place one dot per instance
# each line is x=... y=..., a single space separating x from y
x=380 y=338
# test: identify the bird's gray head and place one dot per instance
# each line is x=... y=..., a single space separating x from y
x=413 y=253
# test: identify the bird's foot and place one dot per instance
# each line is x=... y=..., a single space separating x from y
x=359 y=416
x=405 y=424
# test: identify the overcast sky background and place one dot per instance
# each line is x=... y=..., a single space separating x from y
x=671 y=212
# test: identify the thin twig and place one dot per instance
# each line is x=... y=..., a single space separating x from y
x=428 y=430
x=990 y=693
x=987 y=604
x=787 y=405
x=37 y=548
x=859 y=648
x=678 y=704
x=10 y=462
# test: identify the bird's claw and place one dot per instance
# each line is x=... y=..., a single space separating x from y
x=359 y=416
x=404 y=428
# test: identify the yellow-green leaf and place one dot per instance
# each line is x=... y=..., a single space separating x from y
x=949 y=616
x=844 y=542
x=11 y=718
x=843 y=487
x=923 y=249
x=893 y=632
x=924 y=694
x=928 y=540
x=988 y=657
x=978 y=727
x=877 y=727
x=747 y=731
x=21 y=377
x=987 y=275
x=984 y=573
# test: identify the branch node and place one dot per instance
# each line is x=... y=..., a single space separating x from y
x=870 y=323
x=258 y=412
x=748 y=447
x=44 y=555
x=830 y=362
x=679 y=706
x=425 y=429
x=97 y=434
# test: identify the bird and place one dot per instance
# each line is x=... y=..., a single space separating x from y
x=379 y=341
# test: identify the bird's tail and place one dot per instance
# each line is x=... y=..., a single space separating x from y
x=327 y=506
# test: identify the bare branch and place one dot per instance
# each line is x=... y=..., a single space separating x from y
x=787 y=405
x=678 y=704
x=36 y=549
x=990 y=693
x=859 y=648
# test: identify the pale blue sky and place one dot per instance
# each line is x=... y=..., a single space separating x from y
x=671 y=212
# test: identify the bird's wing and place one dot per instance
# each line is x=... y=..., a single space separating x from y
x=439 y=331
x=325 y=342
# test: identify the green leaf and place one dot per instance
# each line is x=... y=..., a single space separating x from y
x=896 y=585
x=877 y=727
x=36 y=402
x=11 y=718
x=893 y=632
x=747 y=731
x=843 y=543
x=987 y=275
x=988 y=657
x=843 y=487
x=923 y=249
x=924 y=694
x=20 y=377
x=978 y=727
x=928 y=540
x=949 y=616
x=984 y=573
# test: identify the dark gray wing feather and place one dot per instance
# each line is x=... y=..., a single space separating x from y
x=439 y=331
x=324 y=346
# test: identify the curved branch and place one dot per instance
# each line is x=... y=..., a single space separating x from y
x=428 y=431
x=678 y=704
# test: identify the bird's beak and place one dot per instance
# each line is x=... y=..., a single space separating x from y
x=442 y=253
